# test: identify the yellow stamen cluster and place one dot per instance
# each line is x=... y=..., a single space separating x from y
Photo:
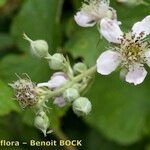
x=132 y=49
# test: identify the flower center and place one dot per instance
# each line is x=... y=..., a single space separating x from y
x=132 y=50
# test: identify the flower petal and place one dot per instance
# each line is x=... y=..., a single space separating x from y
x=142 y=26
x=42 y=84
x=84 y=20
x=108 y=62
x=110 y=30
x=57 y=80
x=136 y=74
x=147 y=56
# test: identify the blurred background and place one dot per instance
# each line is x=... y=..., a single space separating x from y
x=120 y=119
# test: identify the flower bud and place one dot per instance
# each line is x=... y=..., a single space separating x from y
x=56 y=61
x=77 y=86
x=39 y=48
x=71 y=94
x=82 y=106
x=42 y=122
x=59 y=101
x=58 y=79
x=79 y=68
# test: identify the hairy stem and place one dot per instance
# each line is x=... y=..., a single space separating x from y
x=76 y=79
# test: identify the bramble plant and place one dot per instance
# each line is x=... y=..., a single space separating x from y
x=130 y=51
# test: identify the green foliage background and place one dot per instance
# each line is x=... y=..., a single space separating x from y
x=120 y=119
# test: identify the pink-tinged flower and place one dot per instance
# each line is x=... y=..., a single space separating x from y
x=92 y=11
x=59 y=101
x=131 y=51
x=58 y=79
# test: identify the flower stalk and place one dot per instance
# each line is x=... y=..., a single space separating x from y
x=89 y=72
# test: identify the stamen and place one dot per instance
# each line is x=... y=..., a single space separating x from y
x=132 y=49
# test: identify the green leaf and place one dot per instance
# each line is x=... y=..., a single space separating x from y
x=99 y=142
x=39 y=19
x=86 y=43
x=2 y=2
x=5 y=41
x=119 y=109
x=7 y=103
x=37 y=69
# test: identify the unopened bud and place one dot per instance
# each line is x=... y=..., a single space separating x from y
x=79 y=68
x=56 y=61
x=58 y=79
x=42 y=122
x=59 y=101
x=76 y=86
x=39 y=48
x=82 y=106
x=71 y=94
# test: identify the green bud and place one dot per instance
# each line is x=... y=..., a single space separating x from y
x=82 y=106
x=71 y=94
x=76 y=86
x=56 y=61
x=39 y=48
x=42 y=122
x=79 y=68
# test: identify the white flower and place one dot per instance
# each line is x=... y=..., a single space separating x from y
x=92 y=11
x=131 y=52
x=58 y=79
